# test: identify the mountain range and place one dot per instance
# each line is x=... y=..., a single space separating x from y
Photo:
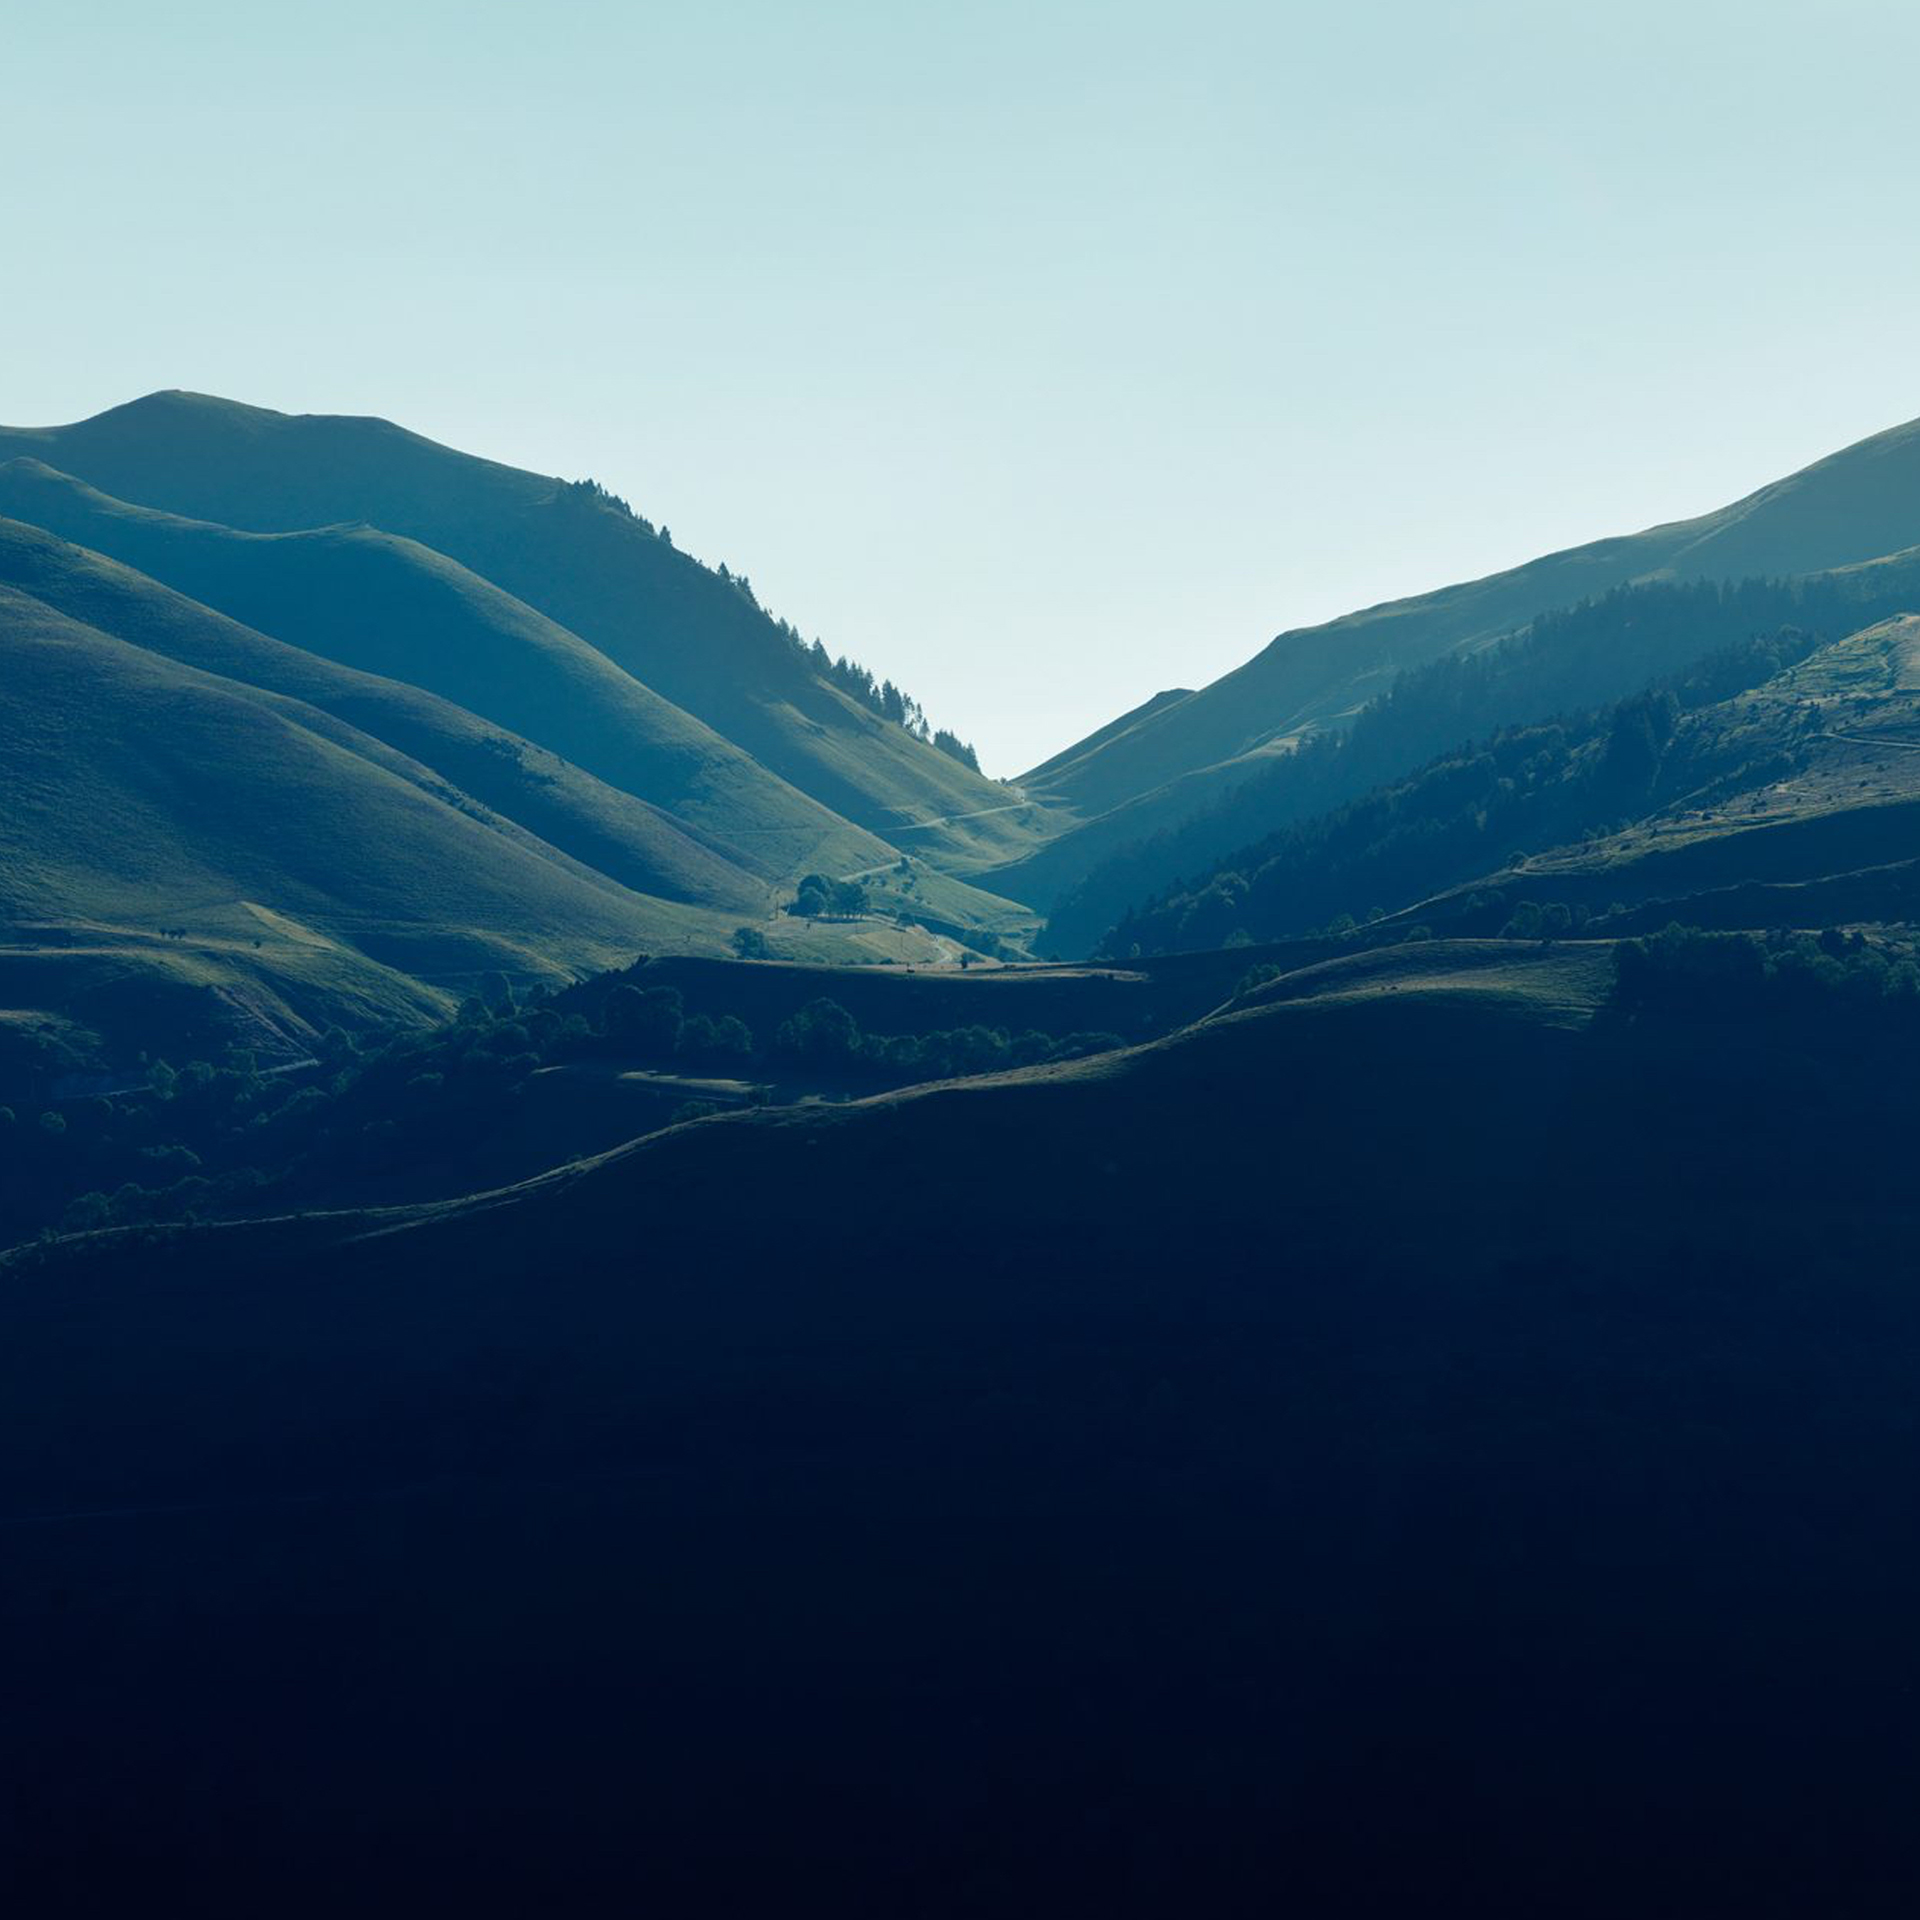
x=484 y=654
x=1192 y=768
x=586 y=1327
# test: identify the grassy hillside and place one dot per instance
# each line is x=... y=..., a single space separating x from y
x=391 y=607
x=1853 y=507
x=85 y=1006
x=158 y=912
x=1438 y=1456
x=151 y=800
x=1058 y=771
x=631 y=842
x=687 y=633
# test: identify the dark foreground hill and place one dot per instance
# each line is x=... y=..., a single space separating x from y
x=195 y=1129
x=1431 y=1438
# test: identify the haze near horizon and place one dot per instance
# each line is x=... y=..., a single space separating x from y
x=1037 y=358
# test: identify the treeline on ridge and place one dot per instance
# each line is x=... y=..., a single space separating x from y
x=1739 y=977
x=882 y=696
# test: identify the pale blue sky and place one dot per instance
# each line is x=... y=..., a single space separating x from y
x=1038 y=355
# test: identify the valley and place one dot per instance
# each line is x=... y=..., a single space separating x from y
x=598 y=1223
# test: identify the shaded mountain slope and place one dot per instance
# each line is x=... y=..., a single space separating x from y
x=695 y=638
x=1788 y=802
x=624 y=838
x=1058 y=771
x=1556 y=673
x=389 y=606
x=81 y=1006
x=1322 y=1522
x=1856 y=505
x=1597 y=652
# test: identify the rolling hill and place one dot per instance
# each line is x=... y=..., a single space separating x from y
x=568 y=552
x=388 y=606
x=1772 y=787
x=1628 y=642
x=1168 y=762
x=632 y=822
x=639 y=845
x=1469 y=1372
x=150 y=801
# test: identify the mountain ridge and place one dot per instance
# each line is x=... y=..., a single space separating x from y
x=385 y=604
x=628 y=839
x=695 y=639
x=1849 y=508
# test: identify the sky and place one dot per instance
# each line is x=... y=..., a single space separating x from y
x=1040 y=355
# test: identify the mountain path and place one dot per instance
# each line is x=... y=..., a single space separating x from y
x=947 y=819
x=1875 y=740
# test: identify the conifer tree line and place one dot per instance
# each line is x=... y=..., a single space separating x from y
x=849 y=676
x=887 y=700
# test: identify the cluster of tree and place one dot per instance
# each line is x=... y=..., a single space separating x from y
x=887 y=700
x=87 y=1163
x=980 y=940
x=1698 y=975
x=1593 y=654
x=652 y=1023
x=1549 y=920
x=212 y=1138
x=35 y=1057
x=955 y=748
x=824 y=1035
x=820 y=898
x=1469 y=812
x=590 y=493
